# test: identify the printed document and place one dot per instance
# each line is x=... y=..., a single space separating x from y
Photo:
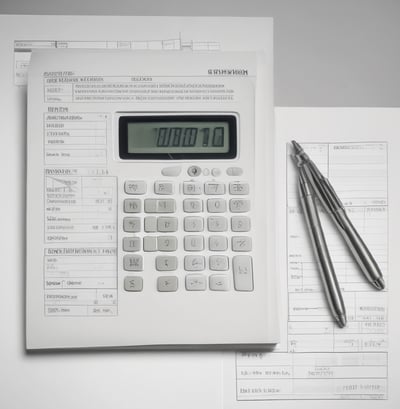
x=316 y=360
x=177 y=378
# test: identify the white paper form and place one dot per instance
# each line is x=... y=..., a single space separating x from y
x=316 y=359
x=24 y=48
x=107 y=379
x=80 y=196
x=324 y=360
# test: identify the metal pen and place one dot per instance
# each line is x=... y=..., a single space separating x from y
x=334 y=207
x=321 y=252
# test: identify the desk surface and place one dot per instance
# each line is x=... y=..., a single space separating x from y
x=325 y=55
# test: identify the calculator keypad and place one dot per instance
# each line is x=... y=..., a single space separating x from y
x=200 y=235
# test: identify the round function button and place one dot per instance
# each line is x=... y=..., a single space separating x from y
x=194 y=171
x=234 y=171
x=215 y=171
x=206 y=171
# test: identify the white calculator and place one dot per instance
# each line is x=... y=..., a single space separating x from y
x=165 y=229
x=189 y=225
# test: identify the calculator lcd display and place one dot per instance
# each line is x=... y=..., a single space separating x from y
x=177 y=137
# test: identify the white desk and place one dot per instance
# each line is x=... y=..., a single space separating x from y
x=349 y=63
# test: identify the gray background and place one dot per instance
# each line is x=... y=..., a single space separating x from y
x=327 y=52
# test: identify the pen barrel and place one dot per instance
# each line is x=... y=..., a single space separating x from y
x=323 y=259
x=359 y=250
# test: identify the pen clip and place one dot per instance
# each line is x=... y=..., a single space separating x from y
x=324 y=191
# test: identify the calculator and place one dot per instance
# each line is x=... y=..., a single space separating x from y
x=190 y=225
x=161 y=233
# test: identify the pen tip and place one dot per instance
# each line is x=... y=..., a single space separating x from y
x=379 y=283
x=341 y=320
x=297 y=147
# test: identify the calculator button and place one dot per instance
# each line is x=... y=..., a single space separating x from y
x=131 y=224
x=131 y=243
x=150 y=205
x=133 y=283
x=132 y=206
x=194 y=243
x=135 y=187
x=241 y=243
x=217 y=223
x=215 y=172
x=234 y=171
x=150 y=243
x=216 y=205
x=219 y=263
x=214 y=188
x=150 y=224
x=193 y=205
x=240 y=223
x=167 y=283
x=159 y=205
x=217 y=243
x=163 y=188
x=194 y=171
x=192 y=188
x=171 y=171
x=167 y=243
x=193 y=223
x=133 y=262
x=239 y=188
x=242 y=267
x=167 y=224
x=239 y=205
x=166 y=263
x=219 y=282
x=195 y=263
x=195 y=282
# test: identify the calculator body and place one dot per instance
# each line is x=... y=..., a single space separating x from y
x=191 y=207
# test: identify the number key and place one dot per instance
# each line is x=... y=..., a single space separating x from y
x=192 y=205
x=132 y=206
x=167 y=283
x=216 y=205
x=133 y=263
x=195 y=282
x=167 y=243
x=239 y=205
x=194 y=243
x=214 y=188
x=192 y=188
x=131 y=243
x=167 y=224
x=217 y=223
x=219 y=282
x=217 y=243
x=166 y=263
x=219 y=263
x=193 y=223
x=135 y=187
x=239 y=188
x=240 y=223
x=194 y=263
x=163 y=188
x=241 y=243
x=131 y=224
x=133 y=283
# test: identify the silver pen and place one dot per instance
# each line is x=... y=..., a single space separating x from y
x=321 y=252
x=334 y=207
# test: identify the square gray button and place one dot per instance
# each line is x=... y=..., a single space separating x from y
x=133 y=283
x=167 y=283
